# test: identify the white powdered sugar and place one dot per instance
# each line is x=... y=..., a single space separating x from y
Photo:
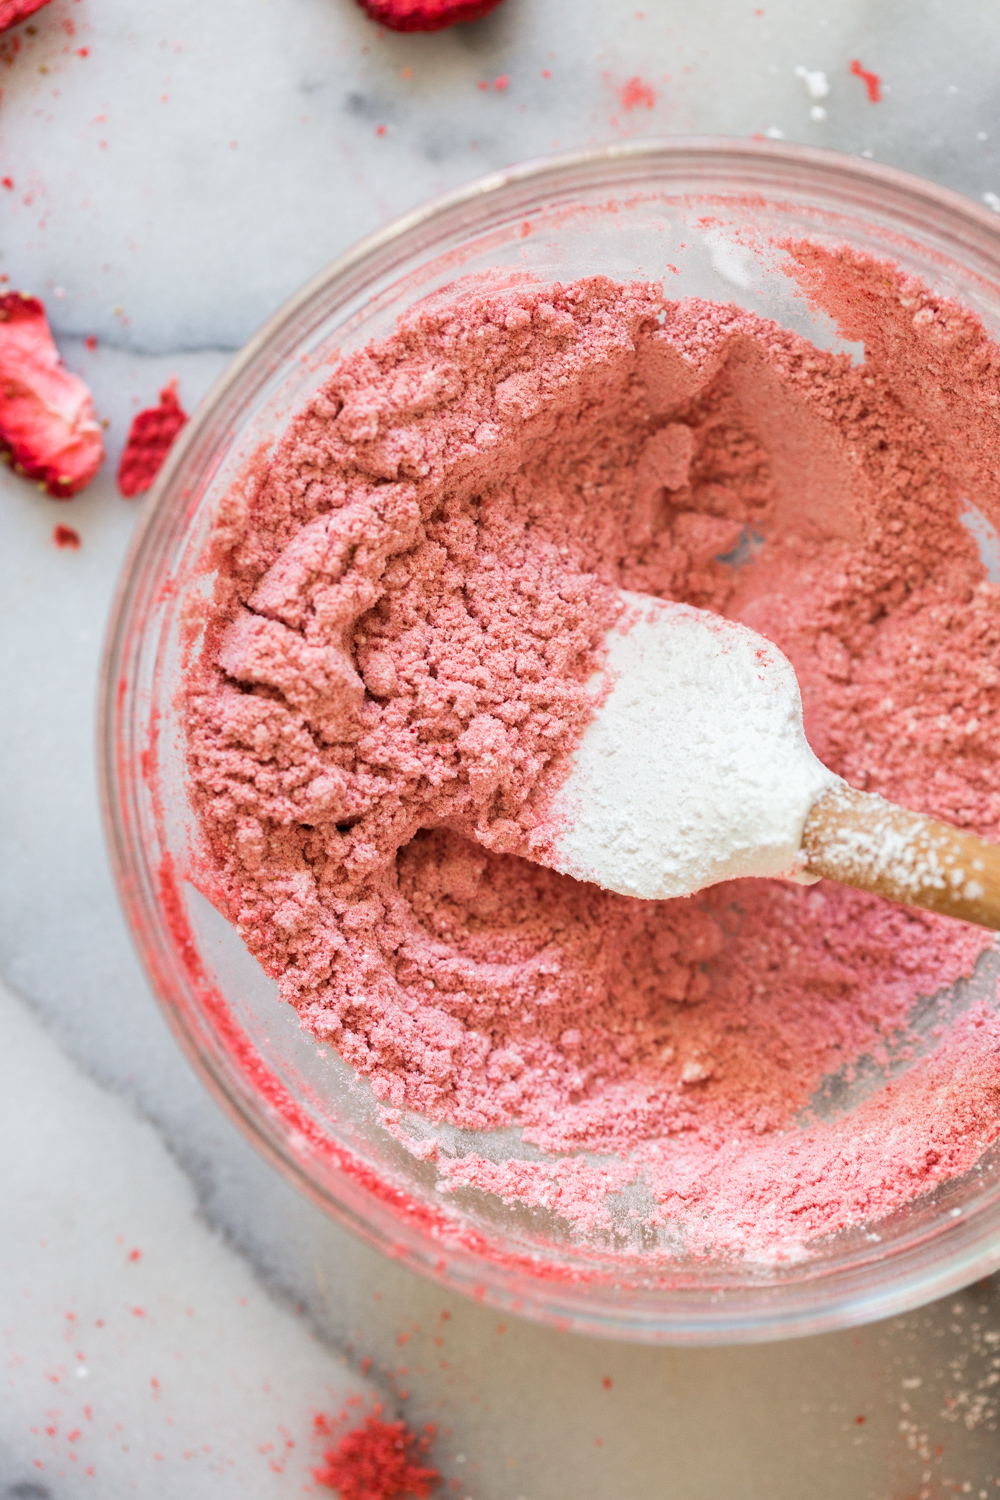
x=695 y=768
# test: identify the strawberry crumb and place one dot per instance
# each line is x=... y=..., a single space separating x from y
x=149 y=441
x=65 y=536
x=636 y=92
x=379 y=1461
x=425 y=15
x=872 y=81
x=13 y=11
x=8 y=183
x=48 y=428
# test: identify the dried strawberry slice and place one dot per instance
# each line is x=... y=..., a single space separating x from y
x=149 y=440
x=12 y=11
x=48 y=429
x=425 y=15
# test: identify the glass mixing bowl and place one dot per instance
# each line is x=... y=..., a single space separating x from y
x=677 y=208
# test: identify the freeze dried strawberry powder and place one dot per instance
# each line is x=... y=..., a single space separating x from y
x=379 y=1461
x=408 y=604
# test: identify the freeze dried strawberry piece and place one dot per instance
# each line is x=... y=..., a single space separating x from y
x=12 y=11
x=48 y=428
x=149 y=440
x=425 y=15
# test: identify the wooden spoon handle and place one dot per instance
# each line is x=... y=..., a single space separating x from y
x=864 y=841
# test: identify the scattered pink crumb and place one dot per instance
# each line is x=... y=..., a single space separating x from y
x=502 y=82
x=8 y=183
x=48 y=429
x=149 y=441
x=872 y=81
x=636 y=92
x=65 y=536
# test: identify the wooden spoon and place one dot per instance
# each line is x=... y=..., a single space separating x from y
x=862 y=840
x=695 y=769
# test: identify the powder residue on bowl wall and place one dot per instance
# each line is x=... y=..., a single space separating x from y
x=408 y=607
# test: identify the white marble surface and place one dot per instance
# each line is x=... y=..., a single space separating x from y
x=170 y=187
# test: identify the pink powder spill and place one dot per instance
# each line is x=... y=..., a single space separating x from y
x=409 y=603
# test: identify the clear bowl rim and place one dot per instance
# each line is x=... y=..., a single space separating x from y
x=967 y=1262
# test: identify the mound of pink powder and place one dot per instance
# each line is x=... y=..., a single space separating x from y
x=409 y=602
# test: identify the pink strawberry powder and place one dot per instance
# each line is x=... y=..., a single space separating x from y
x=408 y=605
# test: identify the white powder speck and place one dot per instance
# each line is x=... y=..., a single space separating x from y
x=816 y=82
